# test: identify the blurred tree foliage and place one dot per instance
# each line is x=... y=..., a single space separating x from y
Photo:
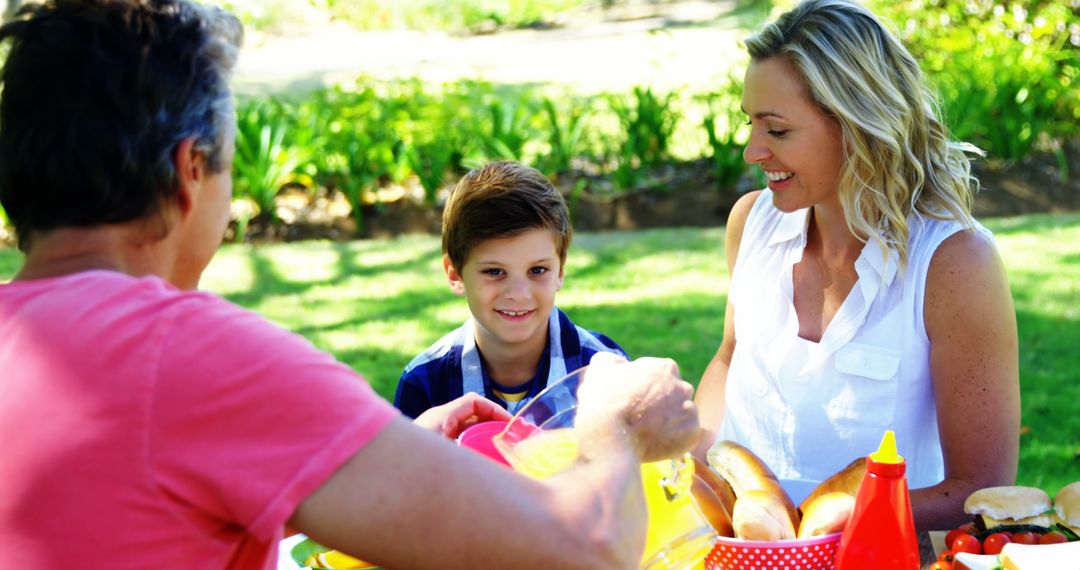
x=1008 y=72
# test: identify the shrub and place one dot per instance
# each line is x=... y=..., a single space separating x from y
x=263 y=163
x=1009 y=75
x=565 y=134
x=726 y=134
x=648 y=122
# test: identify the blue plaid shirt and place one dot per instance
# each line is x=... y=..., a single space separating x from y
x=452 y=366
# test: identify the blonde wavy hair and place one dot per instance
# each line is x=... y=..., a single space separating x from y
x=900 y=157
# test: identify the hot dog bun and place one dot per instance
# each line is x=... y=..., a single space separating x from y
x=826 y=514
x=712 y=507
x=747 y=473
x=719 y=485
x=847 y=480
x=761 y=515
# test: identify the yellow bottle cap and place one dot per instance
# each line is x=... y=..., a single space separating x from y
x=886 y=452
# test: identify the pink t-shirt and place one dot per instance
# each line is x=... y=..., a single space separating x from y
x=145 y=427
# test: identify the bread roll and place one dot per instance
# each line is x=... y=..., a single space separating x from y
x=761 y=515
x=847 y=480
x=719 y=485
x=826 y=514
x=712 y=507
x=747 y=473
x=1067 y=506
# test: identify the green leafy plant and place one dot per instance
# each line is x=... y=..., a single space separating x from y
x=430 y=162
x=263 y=163
x=565 y=132
x=649 y=121
x=508 y=129
x=726 y=134
x=627 y=174
x=575 y=195
x=727 y=154
x=1008 y=74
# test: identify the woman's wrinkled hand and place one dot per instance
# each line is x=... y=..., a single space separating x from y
x=644 y=401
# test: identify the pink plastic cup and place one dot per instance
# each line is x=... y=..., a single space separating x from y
x=478 y=438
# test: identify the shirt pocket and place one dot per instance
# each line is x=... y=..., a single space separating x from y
x=873 y=362
x=866 y=394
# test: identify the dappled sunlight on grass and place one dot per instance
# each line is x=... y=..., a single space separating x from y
x=311 y=265
x=231 y=271
x=453 y=311
x=668 y=286
x=1044 y=267
x=1042 y=256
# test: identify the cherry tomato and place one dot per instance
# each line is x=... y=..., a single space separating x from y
x=947 y=556
x=995 y=542
x=967 y=543
x=939 y=565
x=953 y=534
x=1025 y=538
x=1053 y=537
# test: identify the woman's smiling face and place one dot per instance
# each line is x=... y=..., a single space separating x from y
x=795 y=143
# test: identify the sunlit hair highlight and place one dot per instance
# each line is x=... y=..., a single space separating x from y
x=900 y=158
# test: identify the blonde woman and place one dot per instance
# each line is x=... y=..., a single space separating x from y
x=864 y=297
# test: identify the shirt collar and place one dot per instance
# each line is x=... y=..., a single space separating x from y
x=791 y=226
x=883 y=261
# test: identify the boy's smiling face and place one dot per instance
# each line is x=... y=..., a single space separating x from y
x=510 y=285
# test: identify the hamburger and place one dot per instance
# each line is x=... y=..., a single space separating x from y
x=1067 y=510
x=995 y=507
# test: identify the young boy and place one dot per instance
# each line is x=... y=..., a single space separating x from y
x=506 y=231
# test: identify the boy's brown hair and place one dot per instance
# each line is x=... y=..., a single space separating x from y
x=502 y=199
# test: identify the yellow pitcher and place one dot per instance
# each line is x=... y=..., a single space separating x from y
x=544 y=443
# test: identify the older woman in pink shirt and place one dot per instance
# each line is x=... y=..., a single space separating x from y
x=148 y=425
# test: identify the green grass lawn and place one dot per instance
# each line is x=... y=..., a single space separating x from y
x=375 y=304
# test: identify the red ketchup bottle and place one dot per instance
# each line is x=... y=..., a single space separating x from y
x=881 y=531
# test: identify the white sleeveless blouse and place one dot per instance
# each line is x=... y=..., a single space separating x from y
x=808 y=409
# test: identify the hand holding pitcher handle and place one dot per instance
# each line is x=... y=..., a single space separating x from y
x=644 y=404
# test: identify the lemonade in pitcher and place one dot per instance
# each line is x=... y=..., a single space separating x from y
x=678 y=538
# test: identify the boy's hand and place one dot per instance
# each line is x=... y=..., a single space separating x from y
x=452 y=418
x=644 y=403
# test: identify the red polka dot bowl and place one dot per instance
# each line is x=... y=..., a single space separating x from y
x=817 y=553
